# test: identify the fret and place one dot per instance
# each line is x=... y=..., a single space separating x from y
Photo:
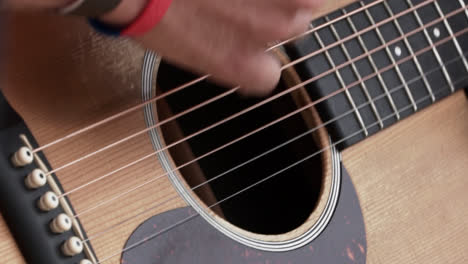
x=404 y=87
x=427 y=61
x=415 y=58
x=376 y=58
x=458 y=45
x=343 y=85
x=358 y=75
x=393 y=61
x=434 y=50
x=449 y=29
x=462 y=4
x=459 y=24
x=374 y=67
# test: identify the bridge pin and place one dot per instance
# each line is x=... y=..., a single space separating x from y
x=73 y=246
x=48 y=201
x=61 y=223
x=22 y=157
x=36 y=179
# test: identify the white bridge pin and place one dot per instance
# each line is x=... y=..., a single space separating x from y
x=61 y=223
x=73 y=246
x=48 y=201
x=86 y=261
x=22 y=157
x=36 y=179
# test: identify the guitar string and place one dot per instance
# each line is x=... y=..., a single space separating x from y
x=161 y=176
x=269 y=99
x=201 y=77
x=185 y=220
x=328 y=23
x=308 y=132
x=175 y=143
x=192 y=217
x=95 y=236
x=278 y=95
x=197 y=80
x=335 y=143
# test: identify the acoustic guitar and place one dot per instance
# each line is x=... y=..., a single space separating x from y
x=110 y=154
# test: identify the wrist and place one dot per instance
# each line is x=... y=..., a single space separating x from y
x=149 y=15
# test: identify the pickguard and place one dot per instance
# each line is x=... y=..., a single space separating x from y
x=196 y=241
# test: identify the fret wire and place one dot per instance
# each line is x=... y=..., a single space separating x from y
x=373 y=64
x=450 y=31
x=462 y=4
x=410 y=49
x=434 y=50
x=342 y=83
x=358 y=75
x=392 y=59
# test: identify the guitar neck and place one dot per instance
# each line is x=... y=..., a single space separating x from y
x=382 y=64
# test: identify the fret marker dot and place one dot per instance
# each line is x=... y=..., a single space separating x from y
x=397 y=51
x=436 y=32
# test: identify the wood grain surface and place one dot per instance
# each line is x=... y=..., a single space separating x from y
x=8 y=250
x=72 y=80
x=412 y=183
x=411 y=178
x=61 y=76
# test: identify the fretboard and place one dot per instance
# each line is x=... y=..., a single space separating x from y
x=389 y=61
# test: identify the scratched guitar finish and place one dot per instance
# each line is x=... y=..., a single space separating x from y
x=360 y=154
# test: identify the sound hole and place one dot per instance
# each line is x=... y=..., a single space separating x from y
x=276 y=206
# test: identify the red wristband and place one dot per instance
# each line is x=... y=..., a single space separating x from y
x=148 y=19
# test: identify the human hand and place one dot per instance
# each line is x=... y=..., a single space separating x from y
x=225 y=38
x=228 y=39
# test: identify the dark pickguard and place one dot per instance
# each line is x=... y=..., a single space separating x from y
x=197 y=242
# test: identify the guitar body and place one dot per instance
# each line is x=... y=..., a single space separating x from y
x=407 y=192
x=407 y=218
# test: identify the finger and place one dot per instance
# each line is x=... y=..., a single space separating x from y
x=257 y=74
x=301 y=22
x=212 y=46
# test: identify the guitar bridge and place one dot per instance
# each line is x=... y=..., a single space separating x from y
x=39 y=217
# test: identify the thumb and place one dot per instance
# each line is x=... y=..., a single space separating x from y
x=256 y=73
x=259 y=74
